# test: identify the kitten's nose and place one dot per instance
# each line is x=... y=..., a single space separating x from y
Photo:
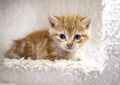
x=69 y=45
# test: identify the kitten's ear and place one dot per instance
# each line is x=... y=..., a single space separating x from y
x=87 y=21
x=52 y=20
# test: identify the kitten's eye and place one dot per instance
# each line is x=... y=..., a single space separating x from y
x=62 y=36
x=77 y=36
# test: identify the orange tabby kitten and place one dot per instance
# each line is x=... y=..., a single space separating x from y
x=63 y=40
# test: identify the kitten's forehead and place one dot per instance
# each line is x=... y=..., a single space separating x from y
x=71 y=23
x=70 y=20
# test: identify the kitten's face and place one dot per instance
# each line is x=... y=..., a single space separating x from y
x=69 y=32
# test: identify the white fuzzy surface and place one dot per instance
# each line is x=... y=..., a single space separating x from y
x=59 y=65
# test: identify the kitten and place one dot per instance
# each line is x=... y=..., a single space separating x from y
x=63 y=40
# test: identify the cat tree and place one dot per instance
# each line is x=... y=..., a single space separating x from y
x=104 y=70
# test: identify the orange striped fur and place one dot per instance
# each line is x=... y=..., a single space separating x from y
x=48 y=44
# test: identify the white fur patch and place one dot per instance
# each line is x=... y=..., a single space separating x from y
x=15 y=56
x=76 y=55
x=22 y=47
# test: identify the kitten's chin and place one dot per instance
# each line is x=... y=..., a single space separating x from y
x=69 y=49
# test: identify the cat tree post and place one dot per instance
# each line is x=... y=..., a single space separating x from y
x=111 y=40
x=111 y=25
